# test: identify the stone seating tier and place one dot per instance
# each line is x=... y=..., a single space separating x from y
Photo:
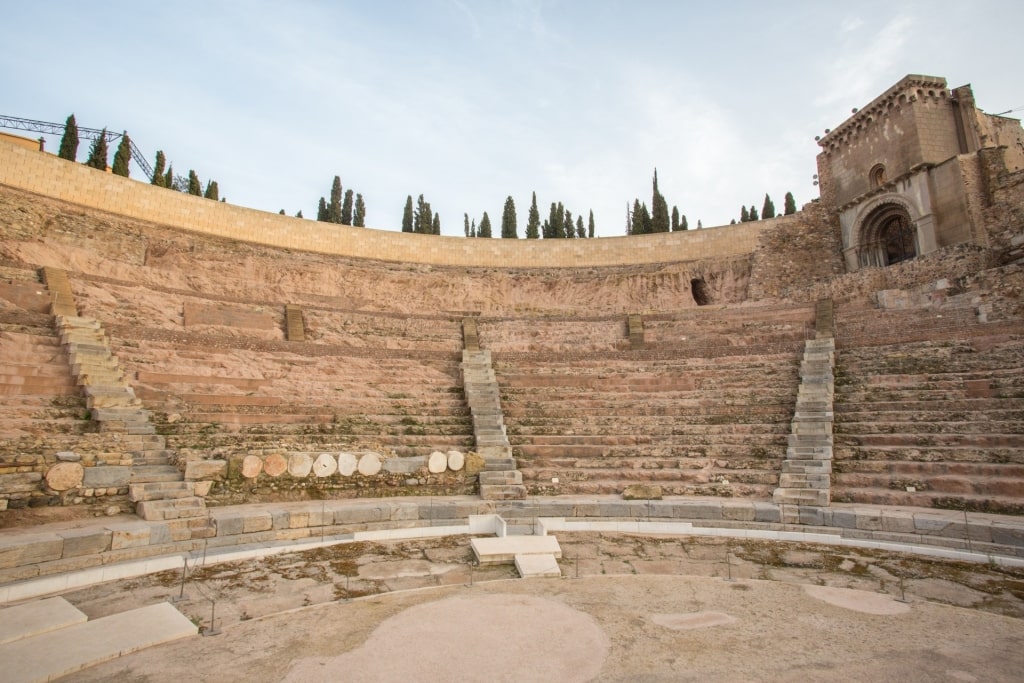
x=936 y=423
x=695 y=427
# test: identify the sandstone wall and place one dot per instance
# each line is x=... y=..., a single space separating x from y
x=50 y=176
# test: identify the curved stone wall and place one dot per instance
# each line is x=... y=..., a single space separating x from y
x=50 y=176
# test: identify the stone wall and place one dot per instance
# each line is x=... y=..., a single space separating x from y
x=50 y=176
x=795 y=255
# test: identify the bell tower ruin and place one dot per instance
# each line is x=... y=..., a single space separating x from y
x=910 y=173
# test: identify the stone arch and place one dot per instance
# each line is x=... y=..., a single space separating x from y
x=887 y=235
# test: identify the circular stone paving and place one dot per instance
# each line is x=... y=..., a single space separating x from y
x=482 y=637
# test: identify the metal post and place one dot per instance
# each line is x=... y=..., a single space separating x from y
x=181 y=597
x=728 y=564
x=967 y=533
x=213 y=630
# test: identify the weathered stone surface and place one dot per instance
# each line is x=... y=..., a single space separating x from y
x=212 y=470
x=202 y=488
x=106 y=476
x=275 y=465
x=347 y=463
x=300 y=465
x=369 y=464
x=456 y=461
x=404 y=465
x=129 y=535
x=252 y=465
x=68 y=456
x=23 y=550
x=325 y=465
x=437 y=462
x=64 y=476
x=642 y=492
x=474 y=463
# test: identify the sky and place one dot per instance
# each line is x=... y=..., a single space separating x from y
x=471 y=102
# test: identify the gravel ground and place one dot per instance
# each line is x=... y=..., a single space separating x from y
x=644 y=608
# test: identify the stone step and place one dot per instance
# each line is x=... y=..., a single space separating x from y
x=500 y=477
x=503 y=492
x=173 y=508
x=806 y=466
x=144 y=474
x=795 y=480
x=813 y=497
x=34 y=618
x=162 y=490
x=499 y=464
x=503 y=549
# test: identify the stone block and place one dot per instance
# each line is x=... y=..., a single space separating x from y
x=213 y=470
x=229 y=525
x=369 y=464
x=34 y=549
x=741 y=511
x=869 y=521
x=813 y=516
x=281 y=519
x=159 y=534
x=129 y=535
x=898 y=523
x=106 y=476
x=360 y=514
x=78 y=542
x=64 y=476
x=409 y=465
x=1005 y=534
x=844 y=519
x=20 y=482
x=698 y=510
x=347 y=463
x=257 y=521
x=642 y=492
x=437 y=462
x=325 y=465
x=766 y=512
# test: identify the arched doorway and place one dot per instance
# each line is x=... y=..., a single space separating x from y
x=887 y=236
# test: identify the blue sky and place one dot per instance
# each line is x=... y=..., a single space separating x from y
x=469 y=102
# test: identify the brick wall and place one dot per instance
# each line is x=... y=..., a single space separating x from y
x=50 y=176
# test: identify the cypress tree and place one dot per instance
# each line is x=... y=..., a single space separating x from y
x=581 y=231
x=169 y=178
x=194 y=186
x=590 y=224
x=407 y=215
x=753 y=213
x=551 y=224
x=422 y=220
x=508 y=219
x=683 y=225
x=465 y=223
x=485 y=227
x=346 y=208
x=472 y=229
x=790 y=206
x=334 y=206
x=744 y=216
x=675 y=218
x=69 y=141
x=435 y=226
x=98 y=152
x=659 y=209
x=533 y=222
x=768 y=210
x=123 y=156
x=559 y=226
x=700 y=226
x=636 y=226
x=321 y=210
x=158 y=170
x=212 y=191
x=359 y=214
x=567 y=226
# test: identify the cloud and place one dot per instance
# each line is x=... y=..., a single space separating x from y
x=862 y=69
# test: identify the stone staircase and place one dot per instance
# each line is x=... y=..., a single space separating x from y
x=156 y=485
x=807 y=469
x=61 y=298
x=499 y=480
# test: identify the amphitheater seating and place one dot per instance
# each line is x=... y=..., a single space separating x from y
x=39 y=395
x=937 y=421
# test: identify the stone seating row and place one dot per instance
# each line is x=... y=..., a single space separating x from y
x=935 y=423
